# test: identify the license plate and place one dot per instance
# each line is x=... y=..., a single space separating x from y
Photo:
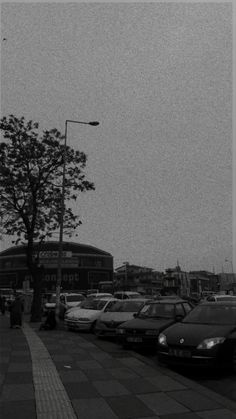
x=182 y=353
x=135 y=340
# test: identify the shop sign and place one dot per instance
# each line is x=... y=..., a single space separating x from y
x=52 y=254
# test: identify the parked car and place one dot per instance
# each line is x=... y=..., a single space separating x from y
x=125 y=295
x=85 y=317
x=205 y=338
x=169 y=297
x=117 y=314
x=152 y=318
x=49 y=304
x=221 y=297
x=99 y=295
x=68 y=301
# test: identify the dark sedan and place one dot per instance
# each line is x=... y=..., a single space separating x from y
x=206 y=337
x=153 y=317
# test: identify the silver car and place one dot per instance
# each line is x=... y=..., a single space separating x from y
x=117 y=314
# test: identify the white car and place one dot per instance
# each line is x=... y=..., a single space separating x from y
x=221 y=297
x=85 y=317
x=118 y=313
x=99 y=295
x=67 y=300
x=125 y=295
x=70 y=300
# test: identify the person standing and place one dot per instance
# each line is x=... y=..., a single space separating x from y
x=16 y=310
x=3 y=305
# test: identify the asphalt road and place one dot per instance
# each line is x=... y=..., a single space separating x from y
x=223 y=383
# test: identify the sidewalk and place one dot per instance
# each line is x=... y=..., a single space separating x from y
x=59 y=374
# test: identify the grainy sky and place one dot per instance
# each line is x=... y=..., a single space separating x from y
x=158 y=77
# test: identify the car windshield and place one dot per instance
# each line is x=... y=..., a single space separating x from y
x=72 y=298
x=155 y=310
x=127 y=306
x=212 y=314
x=93 y=304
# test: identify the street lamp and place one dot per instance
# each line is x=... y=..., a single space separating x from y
x=61 y=220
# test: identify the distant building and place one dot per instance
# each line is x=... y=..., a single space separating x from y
x=83 y=266
x=227 y=282
x=176 y=281
x=204 y=281
x=138 y=278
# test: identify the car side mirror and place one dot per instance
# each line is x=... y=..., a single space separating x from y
x=179 y=317
x=135 y=314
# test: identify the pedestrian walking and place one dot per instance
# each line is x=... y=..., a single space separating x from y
x=3 y=305
x=16 y=310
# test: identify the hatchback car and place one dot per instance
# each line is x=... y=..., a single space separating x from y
x=205 y=338
x=117 y=314
x=152 y=318
x=85 y=317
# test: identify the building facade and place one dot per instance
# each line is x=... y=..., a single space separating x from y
x=176 y=281
x=138 y=278
x=83 y=266
x=204 y=281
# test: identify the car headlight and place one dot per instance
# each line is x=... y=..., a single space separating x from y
x=162 y=339
x=152 y=332
x=120 y=331
x=209 y=343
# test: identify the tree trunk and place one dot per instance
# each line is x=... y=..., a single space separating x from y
x=37 y=275
x=36 y=308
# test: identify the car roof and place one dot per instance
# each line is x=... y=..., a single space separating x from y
x=168 y=300
x=105 y=299
x=131 y=300
x=127 y=292
x=218 y=303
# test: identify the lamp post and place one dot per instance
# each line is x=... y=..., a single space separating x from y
x=61 y=220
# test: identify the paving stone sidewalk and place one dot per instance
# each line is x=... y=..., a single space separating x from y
x=58 y=374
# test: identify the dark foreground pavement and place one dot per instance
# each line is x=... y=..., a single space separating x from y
x=58 y=374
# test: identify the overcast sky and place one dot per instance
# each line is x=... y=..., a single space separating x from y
x=157 y=76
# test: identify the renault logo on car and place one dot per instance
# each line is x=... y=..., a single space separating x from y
x=181 y=340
